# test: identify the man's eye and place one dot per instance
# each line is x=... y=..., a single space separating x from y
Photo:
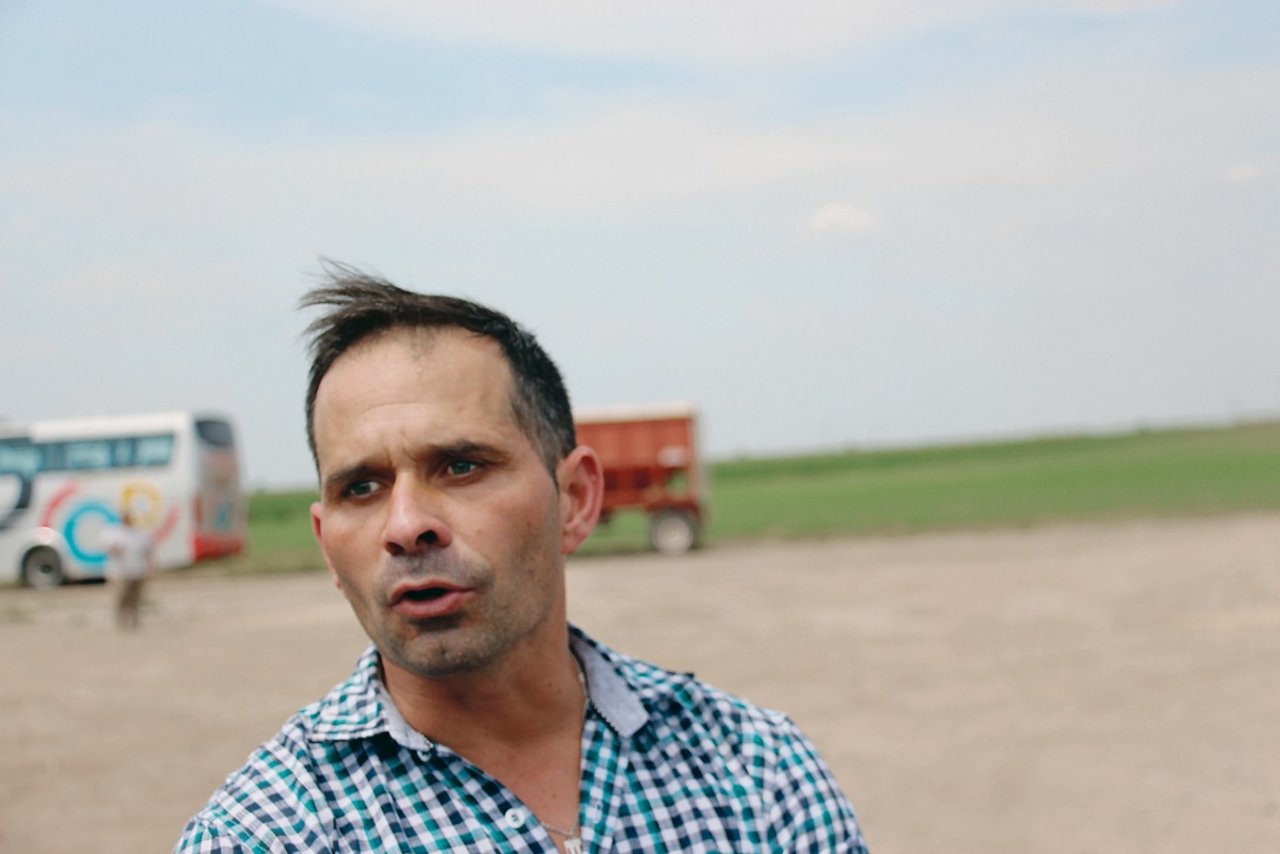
x=360 y=489
x=461 y=468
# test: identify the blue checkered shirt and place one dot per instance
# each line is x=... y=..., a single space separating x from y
x=668 y=764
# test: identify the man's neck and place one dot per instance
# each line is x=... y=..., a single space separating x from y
x=520 y=722
x=533 y=693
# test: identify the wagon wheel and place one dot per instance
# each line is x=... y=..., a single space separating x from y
x=673 y=532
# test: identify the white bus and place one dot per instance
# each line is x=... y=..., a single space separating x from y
x=63 y=483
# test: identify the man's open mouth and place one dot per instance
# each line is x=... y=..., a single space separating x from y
x=427 y=594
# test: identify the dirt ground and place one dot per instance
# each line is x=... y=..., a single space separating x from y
x=1108 y=688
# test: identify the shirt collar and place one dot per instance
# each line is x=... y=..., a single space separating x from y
x=353 y=709
x=361 y=708
x=616 y=701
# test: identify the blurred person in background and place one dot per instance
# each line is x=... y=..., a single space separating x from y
x=452 y=489
x=129 y=564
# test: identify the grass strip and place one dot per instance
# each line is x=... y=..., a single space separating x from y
x=988 y=485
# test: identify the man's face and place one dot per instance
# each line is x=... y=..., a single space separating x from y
x=437 y=517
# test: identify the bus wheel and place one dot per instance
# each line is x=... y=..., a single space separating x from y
x=673 y=532
x=42 y=568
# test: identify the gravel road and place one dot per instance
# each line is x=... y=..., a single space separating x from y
x=1084 y=688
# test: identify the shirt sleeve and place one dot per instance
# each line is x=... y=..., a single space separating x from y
x=810 y=813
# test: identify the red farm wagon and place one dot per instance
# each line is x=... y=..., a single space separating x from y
x=650 y=463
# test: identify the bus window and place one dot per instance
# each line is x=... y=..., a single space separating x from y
x=122 y=453
x=154 y=451
x=95 y=454
x=215 y=433
x=19 y=456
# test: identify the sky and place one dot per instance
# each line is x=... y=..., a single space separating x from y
x=828 y=224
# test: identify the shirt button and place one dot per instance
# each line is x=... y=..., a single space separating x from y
x=515 y=818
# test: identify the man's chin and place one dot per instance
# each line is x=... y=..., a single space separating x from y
x=439 y=654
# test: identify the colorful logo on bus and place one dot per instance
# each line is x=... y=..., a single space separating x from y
x=84 y=519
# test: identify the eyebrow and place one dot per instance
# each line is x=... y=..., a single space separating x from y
x=464 y=448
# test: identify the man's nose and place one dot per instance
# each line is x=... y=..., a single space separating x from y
x=414 y=522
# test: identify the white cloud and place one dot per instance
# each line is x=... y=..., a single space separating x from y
x=19 y=349
x=1121 y=6
x=105 y=281
x=838 y=216
x=732 y=31
x=1254 y=171
x=616 y=162
x=975 y=176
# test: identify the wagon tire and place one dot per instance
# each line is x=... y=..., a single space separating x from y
x=673 y=532
x=42 y=568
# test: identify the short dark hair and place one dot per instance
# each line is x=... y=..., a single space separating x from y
x=363 y=305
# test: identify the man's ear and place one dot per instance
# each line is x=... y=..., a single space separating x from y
x=316 y=510
x=581 y=479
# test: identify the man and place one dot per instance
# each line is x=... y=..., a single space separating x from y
x=130 y=563
x=451 y=490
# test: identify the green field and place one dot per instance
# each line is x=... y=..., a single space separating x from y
x=1007 y=484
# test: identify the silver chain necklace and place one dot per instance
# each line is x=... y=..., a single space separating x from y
x=572 y=841
x=573 y=838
